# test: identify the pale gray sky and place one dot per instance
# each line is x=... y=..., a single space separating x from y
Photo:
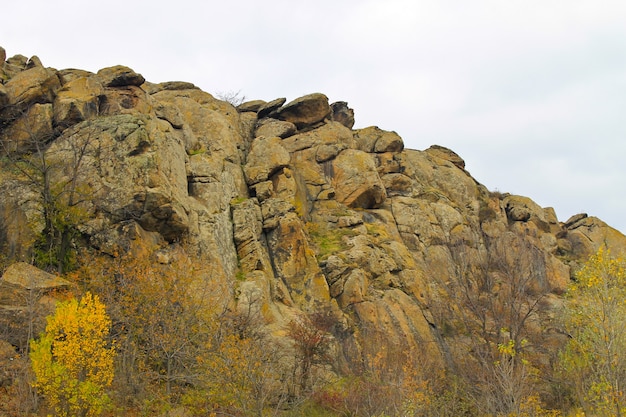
x=531 y=93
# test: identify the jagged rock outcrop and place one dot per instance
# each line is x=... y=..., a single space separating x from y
x=286 y=202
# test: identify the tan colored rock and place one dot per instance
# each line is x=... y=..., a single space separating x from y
x=374 y=139
x=523 y=209
x=587 y=235
x=14 y=65
x=274 y=128
x=35 y=85
x=124 y=100
x=447 y=154
x=295 y=263
x=353 y=289
x=28 y=277
x=267 y=156
x=71 y=74
x=31 y=131
x=120 y=76
x=273 y=210
x=270 y=107
x=176 y=86
x=356 y=181
x=340 y=112
x=77 y=101
x=306 y=110
x=33 y=62
x=251 y=106
x=332 y=133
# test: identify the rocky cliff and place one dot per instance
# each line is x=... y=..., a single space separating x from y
x=291 y=206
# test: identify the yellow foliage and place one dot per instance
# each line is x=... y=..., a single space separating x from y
x=594 y=360
x=73 y=360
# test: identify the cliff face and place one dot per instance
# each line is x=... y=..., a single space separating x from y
x=286 y=202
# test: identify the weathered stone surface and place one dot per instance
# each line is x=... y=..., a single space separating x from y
x=4 y=96
x=274 y=128
x=120 y=76
x=77 y=101
x=253 y=106
x=14 y=65
x=340 y=112
x=35 y=85
x=572 y=221
x=295 y=263
x=332 y=133
x=268 y=108
x=27 y=277
x=523 y=209
x=356 y=181
x=306 y=110
x=447 y=154
x=177 y=86
x=33 y=62
x=266 y=157
x=373 y=139
x=589 y=234
x=31 y=131
x=26 y=298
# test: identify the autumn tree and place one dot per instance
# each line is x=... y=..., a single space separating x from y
x=311 y=343
x=594 y=360
x=485 y=309
x=242 y=375
x=73 y=358
x=53 y=168
x=165 y=309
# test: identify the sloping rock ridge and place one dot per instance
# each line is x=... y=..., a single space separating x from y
x=284 y=200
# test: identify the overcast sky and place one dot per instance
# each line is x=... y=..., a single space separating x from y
x=532 y=93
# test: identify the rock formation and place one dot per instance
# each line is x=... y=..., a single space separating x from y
x=306 y=212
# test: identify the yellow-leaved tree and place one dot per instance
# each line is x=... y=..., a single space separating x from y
x=594 y=361
x=73 y=358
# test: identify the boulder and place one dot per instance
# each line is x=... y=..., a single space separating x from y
x=120 y=76
x=523 y=209
x=14 y=65
x=447 y=154
x=177 y=86
x=305 y=111
x=251 y=106
x=356 y=181
x=267 y=156
x=26 y=277
x=35 y=85
x=27 y=296
x=270 y=107
x=331 y=133
x=374 y=139
x=588 y=234
x=77 y=101
x=572 y=221
x=274 y=128
x=340 y=112
x=33 y=62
